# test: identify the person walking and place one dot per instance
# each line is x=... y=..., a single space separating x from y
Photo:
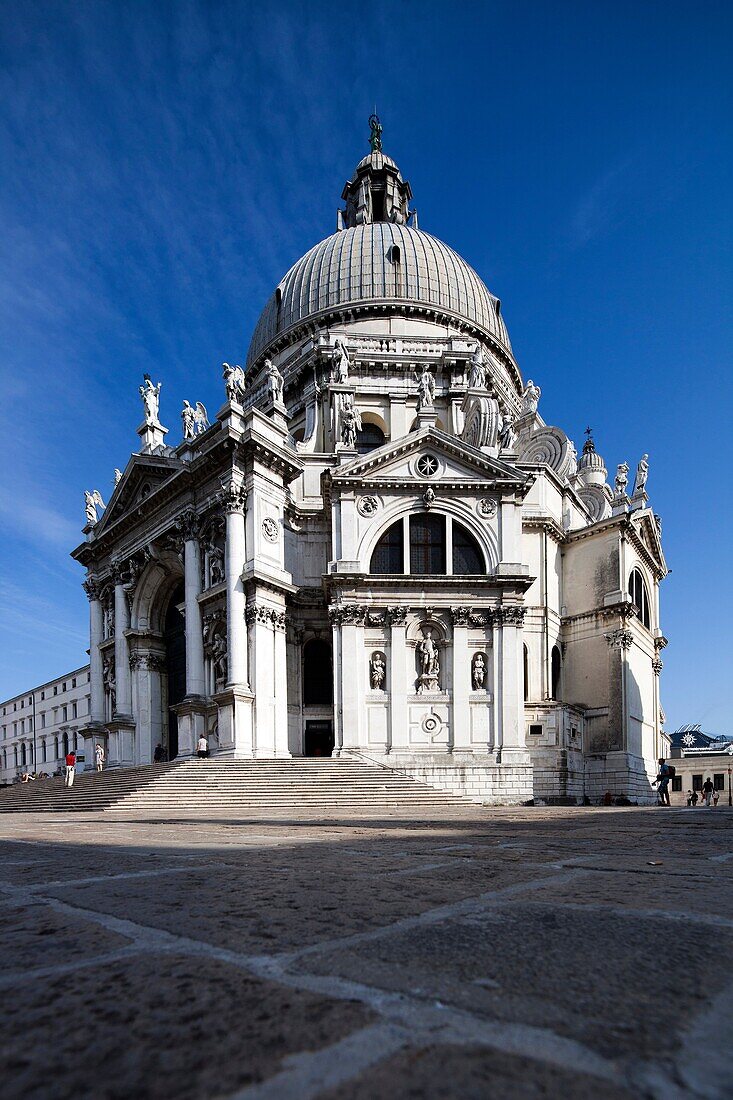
x=99 y=757
x=70 y=769
x=202 y=749
x=663 y=781
x=707 y=790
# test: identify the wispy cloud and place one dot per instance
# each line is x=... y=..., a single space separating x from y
x=36 y=522
x=603 y=205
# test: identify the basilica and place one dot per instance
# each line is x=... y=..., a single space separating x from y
x=378 y=548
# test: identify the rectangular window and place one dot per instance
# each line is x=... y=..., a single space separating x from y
x=676 y=782
x=697 y=782
x=74 y=711
x=73 y=682
x=66 y=714
x=43 y=695
x=536 y=730
x=719 y=781
x=427 y=544
x=43 y=721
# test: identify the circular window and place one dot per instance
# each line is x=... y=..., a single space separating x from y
x=427 y=465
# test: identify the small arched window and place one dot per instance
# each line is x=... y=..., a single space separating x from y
x=640 y=597
x=437 y=546
x=556 y=671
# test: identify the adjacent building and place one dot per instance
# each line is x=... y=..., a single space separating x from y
x=39 y=727
x=378 y=547
x=699 y=756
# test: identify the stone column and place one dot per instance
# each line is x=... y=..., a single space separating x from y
x=123 y=704
x=235 y=502
x=511 y=706
x=191 y=711
x=195 y=675
x=96 y=637
x=398 y=658
x=461 y=737
x=279 y=622
x=235 y=701
x=338 y=712
x=353 y=656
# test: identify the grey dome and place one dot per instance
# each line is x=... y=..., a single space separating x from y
x=375 y=263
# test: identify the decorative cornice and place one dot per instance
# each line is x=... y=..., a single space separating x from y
x=350 y=613
x=509 y=616
x=266 y=616
x=460 y=616
x=397 y=615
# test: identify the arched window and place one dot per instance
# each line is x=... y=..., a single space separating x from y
x=370 y=437
x=66 y=744
x=43 y=750
x=22 y=755
x=437 y=546
x=317 y=673
x=556 y=670
x=640 y=597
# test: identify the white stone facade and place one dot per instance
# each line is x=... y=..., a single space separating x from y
x=55 y=712
x=379 y=548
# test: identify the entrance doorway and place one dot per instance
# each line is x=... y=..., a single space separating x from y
x=318 y=740
x=174 y=636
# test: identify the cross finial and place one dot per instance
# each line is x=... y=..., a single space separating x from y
x=375 y=137
x=589 y=432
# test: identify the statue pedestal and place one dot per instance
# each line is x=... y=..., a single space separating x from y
x=619 y=504
x=278 y=413
x=152 y=436
x=346 y=454
x=639 y=500
x=427 y=417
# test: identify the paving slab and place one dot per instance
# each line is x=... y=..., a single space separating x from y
x=547 y=952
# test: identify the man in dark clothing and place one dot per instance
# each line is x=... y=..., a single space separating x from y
x=707 y=791
x=663 y=781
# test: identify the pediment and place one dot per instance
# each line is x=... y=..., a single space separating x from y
x=408 y=460
x=648 y=532
x=143 y=476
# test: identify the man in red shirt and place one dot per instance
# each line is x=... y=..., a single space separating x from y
x=70 y=770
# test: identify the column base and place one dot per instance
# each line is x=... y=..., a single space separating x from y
x=236 y=721
x=94 y=733
x=191 y=714
x=121 y=741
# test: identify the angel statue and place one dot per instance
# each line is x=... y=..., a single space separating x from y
x=340 y=361
x=425 y=389
x=642 y=473
x=92 y=501
x=622 y=478
x=151 y=399
x=477 y=370
x=195 y=421
x=350 y=424
x=275 y=380
x=531 y=398
x=234 y=382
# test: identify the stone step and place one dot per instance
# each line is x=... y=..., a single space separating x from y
x=317 y=786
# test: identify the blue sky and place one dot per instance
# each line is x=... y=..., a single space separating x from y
x=164 y=164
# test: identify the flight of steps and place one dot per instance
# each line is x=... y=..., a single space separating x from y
x=319 y=788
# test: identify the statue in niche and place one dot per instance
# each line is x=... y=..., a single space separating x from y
x=341 y=361
x=425 y=389
x=642 y=473
x=478 y=672
x=216 y=563
x=622 y=478
x=234 y=382
x=92 y=501
x=151 y=399
x=429 y=662
x=531 y=397
x=507 y=435
x=275 y=381
x=377 y=671
x=477 y=370
x=108 y=672
x=350 y=424
x=219 y=657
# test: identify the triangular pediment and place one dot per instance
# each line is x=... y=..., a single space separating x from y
x=407 y=460
x=143 y=476
x=646 y=528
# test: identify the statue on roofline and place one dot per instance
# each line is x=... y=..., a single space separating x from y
x=151 y=399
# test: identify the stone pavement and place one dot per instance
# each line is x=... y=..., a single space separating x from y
x=531 y=952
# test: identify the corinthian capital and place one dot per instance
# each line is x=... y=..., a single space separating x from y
x=92 y=588
x=233 y=496
x=188 y=525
